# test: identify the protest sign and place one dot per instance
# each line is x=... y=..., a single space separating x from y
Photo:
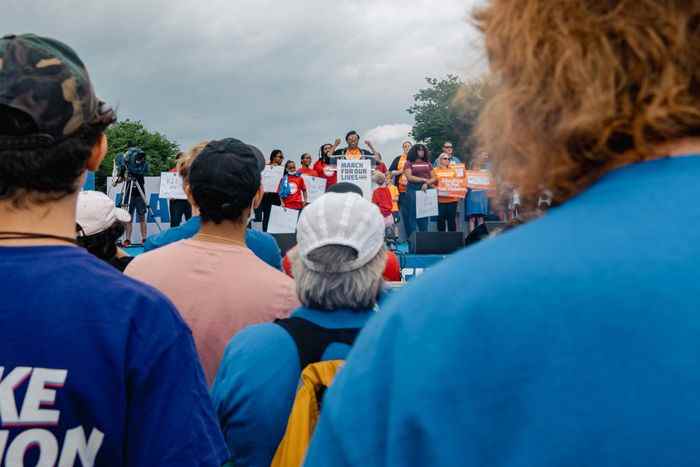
x=158 y=209
x=171 y=186
x=282 y=220
x=315 y=187
x=480 y=180
x=452 y=181
x=426 y=203
x=271 y=177
x=358 y=173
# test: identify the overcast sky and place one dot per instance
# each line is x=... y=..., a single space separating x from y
x=274 y=73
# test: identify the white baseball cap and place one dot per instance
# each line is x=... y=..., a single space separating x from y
x=341 y=219
x=97 y=212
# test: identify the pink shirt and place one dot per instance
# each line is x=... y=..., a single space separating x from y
x=218 y=289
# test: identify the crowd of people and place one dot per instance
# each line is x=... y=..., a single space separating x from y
x=575 y=343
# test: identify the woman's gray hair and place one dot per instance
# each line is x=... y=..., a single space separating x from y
x=333 y=290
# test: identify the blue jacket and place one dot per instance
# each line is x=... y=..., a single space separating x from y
x=574 y=343
x=262 y=244
x=256 y=383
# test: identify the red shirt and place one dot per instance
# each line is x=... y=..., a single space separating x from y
x=382 y=167
x=382 y=198
x=296 y=187
x=308 y=171
x=330 y=174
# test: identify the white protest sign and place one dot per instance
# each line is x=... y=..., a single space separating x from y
x=282 y=220
x=171 y=186
x=358 y=173
x=271 y=177
x=426 y=203
x=315 y=187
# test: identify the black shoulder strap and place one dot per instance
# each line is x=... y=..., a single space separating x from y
x=312 y=340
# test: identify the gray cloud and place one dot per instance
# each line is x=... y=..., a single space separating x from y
x=275 y=73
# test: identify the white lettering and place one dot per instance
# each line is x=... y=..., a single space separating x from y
x=38 y=394
x=75 y=445
x=40 y=439
x=8 y=406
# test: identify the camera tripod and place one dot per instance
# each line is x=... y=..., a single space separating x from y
x=127 y=192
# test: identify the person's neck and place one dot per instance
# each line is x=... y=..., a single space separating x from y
x=55 y=218
x=227 y=232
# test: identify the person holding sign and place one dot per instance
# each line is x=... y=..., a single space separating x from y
x=292 y=189
x=269 y=199
x=446 y=179
x=323 y=166
x=418 y=172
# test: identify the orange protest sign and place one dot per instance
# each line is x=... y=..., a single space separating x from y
x=480 y=180
x=452 y=181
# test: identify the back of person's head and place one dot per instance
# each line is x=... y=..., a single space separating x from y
x=571 y=103
x=345 y=187
x=413 y=152
x=379 y=178
x=99 y=224
x=224 y=181
x=185 y=162
x=340 y=255
x=51 y=121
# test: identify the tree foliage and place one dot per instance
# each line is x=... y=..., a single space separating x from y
x=448 y=110
x=160 y=151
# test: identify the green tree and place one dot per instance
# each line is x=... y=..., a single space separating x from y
x=447 y=110
x=160 y=151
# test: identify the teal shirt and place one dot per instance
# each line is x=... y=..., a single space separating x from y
x=257 y=380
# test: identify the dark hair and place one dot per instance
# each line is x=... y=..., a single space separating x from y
x=413 y=152
x=305 y=154
x=275 y=153
x=350 y=133
x=42 y=174
x=286 y=164
x=217 y=206
x=345 y=187
x=323 y=157
x=103 y=244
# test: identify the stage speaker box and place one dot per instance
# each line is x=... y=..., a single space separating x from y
x=285 y=241
x=435 y=243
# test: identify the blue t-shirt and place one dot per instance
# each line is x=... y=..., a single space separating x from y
x=96 y=366
x=575 y=343
x=256 y=383
x=262 y=244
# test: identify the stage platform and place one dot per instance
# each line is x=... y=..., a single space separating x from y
x=411 y=265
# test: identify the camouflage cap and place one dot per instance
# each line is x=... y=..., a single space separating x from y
x=46 y=79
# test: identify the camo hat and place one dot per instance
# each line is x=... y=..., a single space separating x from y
x=46 y=80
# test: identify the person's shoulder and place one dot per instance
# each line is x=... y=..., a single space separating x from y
x=156 y=256
x=259 y=342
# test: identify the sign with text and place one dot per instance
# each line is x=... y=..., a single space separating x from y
x=282 y=220
x=480 y=180
x=452 y=181
x=271 y=177
x=171 y=186
x=315 y=187
x=358 y=173
x=426 y=203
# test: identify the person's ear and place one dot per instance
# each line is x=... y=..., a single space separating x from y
x=257 y=199
x=98 y=153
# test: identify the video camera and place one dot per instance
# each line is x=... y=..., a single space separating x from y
x=130 y=164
